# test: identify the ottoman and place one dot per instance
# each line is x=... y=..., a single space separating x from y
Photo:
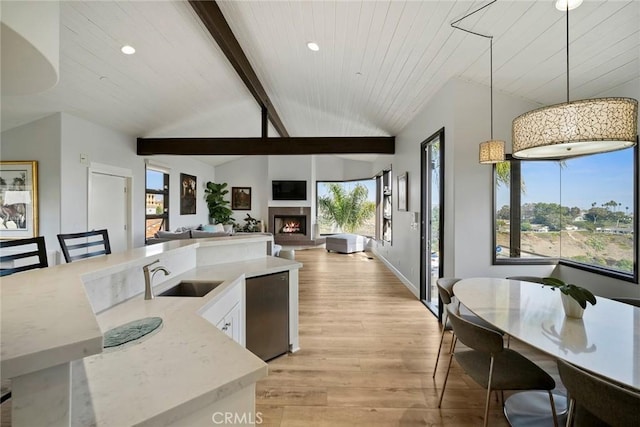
x=346 y=243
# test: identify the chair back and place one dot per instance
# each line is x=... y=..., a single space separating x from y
x=533 y=279
x=445 y=288
x=32 y=253
x=475 y=336
x=88 y=244
x=609 y=402
x=628 y=300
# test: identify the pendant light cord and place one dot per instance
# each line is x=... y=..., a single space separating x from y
x=567 y=52
x=454 y=24
x=491 y=81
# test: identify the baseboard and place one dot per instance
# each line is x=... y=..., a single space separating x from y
x=412 y=288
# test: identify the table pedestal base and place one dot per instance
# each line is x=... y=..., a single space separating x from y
x=532 y=408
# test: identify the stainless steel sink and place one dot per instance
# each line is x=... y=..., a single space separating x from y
x=190 y=289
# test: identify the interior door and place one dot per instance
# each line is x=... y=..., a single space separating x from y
x=108 y=208
x=432 y=221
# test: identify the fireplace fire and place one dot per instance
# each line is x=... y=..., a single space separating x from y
x=291 y=224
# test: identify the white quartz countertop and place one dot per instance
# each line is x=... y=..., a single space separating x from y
x=46 y=318
x=186 y=365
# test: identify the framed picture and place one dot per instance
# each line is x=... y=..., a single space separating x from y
x=188 y=185
x=403 y=192
x=18 y=199
x=241 y=198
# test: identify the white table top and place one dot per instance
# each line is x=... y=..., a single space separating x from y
x=606 y=341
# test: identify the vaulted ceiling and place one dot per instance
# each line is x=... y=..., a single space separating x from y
x=379 y=62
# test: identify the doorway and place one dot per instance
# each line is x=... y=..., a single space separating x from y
x=110 y=205
x=432 y=219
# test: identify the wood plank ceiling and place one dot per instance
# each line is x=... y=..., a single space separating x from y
x=379 y=62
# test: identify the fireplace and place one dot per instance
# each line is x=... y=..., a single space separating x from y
x=292 y=226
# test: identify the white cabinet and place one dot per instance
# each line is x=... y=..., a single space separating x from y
x=227 y=311
x=230 y=324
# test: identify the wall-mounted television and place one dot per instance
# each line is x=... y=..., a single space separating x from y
x=289 y=190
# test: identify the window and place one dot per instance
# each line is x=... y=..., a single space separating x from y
x=579 y=212
x=347 y=206
x=156 y=201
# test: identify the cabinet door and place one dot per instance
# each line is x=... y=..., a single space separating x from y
x=230 y=324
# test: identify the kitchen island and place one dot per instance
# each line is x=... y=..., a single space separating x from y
x=186 y=372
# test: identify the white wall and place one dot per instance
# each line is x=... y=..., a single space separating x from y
x=463 y=110
x=57 y=142
x=40 y=140
x=249 y=171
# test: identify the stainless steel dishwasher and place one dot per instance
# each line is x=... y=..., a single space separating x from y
x=268 y=315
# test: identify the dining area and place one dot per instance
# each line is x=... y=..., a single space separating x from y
x=598 y=354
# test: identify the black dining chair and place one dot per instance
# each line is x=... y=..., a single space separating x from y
x=493 y=366
x=30 y=253
x=88 y=244
x=595 y=401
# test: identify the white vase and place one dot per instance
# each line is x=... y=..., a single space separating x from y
x=571 y=307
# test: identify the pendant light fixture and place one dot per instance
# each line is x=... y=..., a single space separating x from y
x=575 y=128
x=491 y=151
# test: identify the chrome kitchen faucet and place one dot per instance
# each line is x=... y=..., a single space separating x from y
x=148 y=278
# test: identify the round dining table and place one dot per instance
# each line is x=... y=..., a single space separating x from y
x=605 y=342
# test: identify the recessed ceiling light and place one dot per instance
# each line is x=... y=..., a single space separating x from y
x=127 y=50
x=561 y=5
x=313 y=46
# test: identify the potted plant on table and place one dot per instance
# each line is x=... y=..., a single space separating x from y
x=574 y=297
x=219 y=212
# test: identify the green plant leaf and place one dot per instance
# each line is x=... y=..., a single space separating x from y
x=552 y=281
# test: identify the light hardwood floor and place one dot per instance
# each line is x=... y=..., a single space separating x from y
x=368 y=348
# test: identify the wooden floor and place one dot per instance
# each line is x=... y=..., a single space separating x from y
x=368 y=348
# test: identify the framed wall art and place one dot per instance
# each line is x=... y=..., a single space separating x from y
x=18 y=199
x=188 y=185
x=403 y=192
x=241 y=198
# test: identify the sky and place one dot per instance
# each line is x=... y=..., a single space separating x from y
x=583 y=181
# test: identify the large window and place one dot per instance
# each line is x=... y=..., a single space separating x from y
x=156 y=202
x=347 y=206
x=579 y=211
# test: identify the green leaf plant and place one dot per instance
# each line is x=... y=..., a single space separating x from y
x=578 y=293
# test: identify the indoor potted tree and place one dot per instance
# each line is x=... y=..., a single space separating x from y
x=574 y=297
x=219 y=212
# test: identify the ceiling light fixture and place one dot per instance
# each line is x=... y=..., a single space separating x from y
x=313 y=46
x=563 y=5
x=491 y=151
x=575 y=128
x=128 y=50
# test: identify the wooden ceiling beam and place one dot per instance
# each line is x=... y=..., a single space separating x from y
x=215 y=22
x=266 y=146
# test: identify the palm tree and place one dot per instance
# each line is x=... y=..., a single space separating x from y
x=349 y=209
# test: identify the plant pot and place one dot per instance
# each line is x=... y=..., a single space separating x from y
x=571 y=307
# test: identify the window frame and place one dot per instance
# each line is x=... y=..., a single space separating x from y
x=165 y=193
x=318 y=182
x=514 y=237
